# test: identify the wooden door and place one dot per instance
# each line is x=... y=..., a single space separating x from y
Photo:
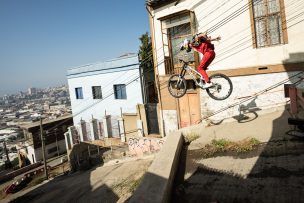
x=189 y=109
x=152 y=119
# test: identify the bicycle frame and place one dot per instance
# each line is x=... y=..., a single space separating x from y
x=179 y=83
x=191 y=71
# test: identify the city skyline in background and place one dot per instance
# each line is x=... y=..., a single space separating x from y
x=41 y=40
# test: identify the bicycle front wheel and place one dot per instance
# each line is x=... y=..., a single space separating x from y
x=222 y=87
x=177 y=86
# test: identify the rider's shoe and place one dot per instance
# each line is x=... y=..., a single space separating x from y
x=206 y=85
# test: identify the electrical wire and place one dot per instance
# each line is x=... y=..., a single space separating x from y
x=210 y=30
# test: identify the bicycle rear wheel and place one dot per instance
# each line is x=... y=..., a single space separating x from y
x=222 y=88
x=177 y=86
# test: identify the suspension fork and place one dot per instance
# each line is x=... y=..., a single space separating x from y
x=181 y=76
x=183 y=71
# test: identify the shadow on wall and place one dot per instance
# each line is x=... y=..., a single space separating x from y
x=276 y=174
x=247 y=112
x=152 y=189
x=74 y=188
x=295 y=58
x=84 y=156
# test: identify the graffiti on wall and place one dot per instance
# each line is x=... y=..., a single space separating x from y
x=141 y=146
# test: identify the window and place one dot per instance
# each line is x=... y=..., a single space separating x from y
x=269 y=24
x=175 y=30
x=120 y=91
x=96 y=91
x=78 y=92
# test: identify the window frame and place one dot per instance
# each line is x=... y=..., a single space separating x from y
x=253 y=25
x=77 y=95
x=166 y=41
x=120 y=96
x=97 y=95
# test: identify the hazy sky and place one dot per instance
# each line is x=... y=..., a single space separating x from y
x=41 y=39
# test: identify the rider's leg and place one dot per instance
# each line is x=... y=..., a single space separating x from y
x=207 y=59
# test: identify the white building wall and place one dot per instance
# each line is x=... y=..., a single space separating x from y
x=87 y=107
x=265 y=101
x=31 y=154
x=235 y=50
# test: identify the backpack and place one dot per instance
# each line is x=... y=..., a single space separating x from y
x=196 y=41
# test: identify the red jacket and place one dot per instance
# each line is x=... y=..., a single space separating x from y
x=204 y=47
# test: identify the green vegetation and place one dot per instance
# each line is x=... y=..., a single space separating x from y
x=130 y=184
x=135 y=184
x=37 y=181
x=190 y=137
x=146 y=58
x=14 y=162
x=221 y=144
x=225 y=145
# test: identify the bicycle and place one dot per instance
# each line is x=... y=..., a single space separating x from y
x=177 y=85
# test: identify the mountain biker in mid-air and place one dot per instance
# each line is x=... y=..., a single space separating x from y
x=202 y=44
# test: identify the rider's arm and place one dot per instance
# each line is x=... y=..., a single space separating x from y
x=215 y=39
x=208 y=38
x=192 y=47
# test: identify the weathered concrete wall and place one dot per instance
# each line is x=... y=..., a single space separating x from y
x=157 y=183
x=170 y=121
x=130 y=122
x=85 y=155
x=141 y=111
x=247 y=86
x=142 y=146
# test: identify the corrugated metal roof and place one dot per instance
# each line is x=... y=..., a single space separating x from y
x=36 y=124
x=158 y=2
x=123 y=62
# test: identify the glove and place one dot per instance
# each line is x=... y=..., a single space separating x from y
x=186 y=43
x=186 y=46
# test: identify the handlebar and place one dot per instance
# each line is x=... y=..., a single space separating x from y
x=186 y=62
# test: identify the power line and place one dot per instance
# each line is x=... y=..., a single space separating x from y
x=212 y=29
x=252 y=96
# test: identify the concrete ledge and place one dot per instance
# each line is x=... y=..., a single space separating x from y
x=158 y=180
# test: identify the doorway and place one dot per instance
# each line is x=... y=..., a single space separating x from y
x=189 y=109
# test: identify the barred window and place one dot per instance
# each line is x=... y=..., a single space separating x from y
x=267 y=17
x=96 y=91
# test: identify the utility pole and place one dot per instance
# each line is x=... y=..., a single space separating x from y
x=123 y=125
x=43 y=149
x=56 y=142
x=141 y=84
x=8 y=163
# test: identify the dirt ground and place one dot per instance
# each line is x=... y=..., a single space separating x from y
x=273 y=172
x=113 y=182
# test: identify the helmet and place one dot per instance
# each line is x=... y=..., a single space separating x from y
x=196 y=41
